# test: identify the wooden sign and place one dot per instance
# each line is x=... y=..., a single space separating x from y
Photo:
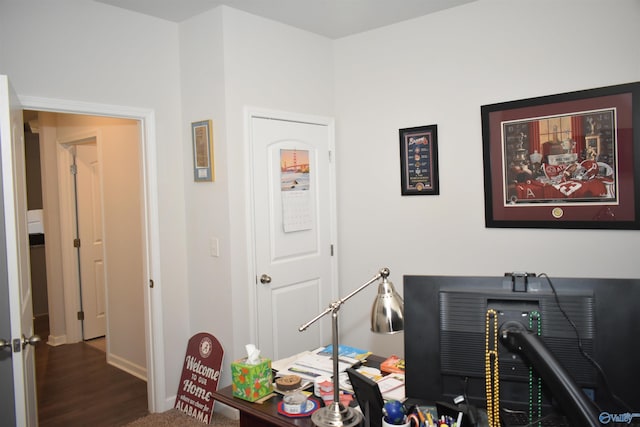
x=200 y=376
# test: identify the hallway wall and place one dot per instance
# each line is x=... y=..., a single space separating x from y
x=119 y=142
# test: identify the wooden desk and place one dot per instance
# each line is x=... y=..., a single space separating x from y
x=266 y=414
x=259 y=414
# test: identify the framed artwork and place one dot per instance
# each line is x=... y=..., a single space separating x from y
x=419 y=160
x=202 y=151
x=569 y=160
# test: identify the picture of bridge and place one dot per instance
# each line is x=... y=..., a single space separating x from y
x=294 y=170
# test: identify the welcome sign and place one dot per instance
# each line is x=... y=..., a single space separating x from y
x=200 y=376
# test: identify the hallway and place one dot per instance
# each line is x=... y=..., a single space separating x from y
x=76 y=387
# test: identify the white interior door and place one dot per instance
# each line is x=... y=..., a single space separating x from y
x=17 y=255
x=91 y=250
x=293 y=202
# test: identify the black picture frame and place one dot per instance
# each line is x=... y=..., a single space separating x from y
x=419 y=160
x=568 y=161
x=369 y=397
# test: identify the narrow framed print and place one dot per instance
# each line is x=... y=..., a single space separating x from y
x=202 y=151
x=569 y=160
x=419 y=160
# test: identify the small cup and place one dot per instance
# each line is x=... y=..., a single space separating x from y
x=295 y=403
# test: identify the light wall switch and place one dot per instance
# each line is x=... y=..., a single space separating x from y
x=214 y=247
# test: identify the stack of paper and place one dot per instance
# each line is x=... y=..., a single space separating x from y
x=313 y=364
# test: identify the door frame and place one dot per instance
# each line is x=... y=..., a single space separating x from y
x=68 y=222
x=251 y=113
x=154 y=341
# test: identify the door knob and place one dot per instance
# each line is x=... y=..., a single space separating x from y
x=4 y=344
x=33 y=340
x=265 y=279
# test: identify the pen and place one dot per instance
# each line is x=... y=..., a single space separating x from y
x=421 y=416
x=459 y=420
x=430 y=420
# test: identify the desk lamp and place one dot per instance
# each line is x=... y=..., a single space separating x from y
x=387 y=317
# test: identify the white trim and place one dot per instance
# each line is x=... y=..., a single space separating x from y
x=154 y=334
x=68 y=227
x=56 y=340
x=125 y=365
x=69 y=256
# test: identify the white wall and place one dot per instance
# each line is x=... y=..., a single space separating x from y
x=86 y=51
x=440 y=69
x=122 y=218
x=275 y=67
x=248 y=61
x=53 y=248
x=203 y=94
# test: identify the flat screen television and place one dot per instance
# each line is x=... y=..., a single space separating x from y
x=590 y=326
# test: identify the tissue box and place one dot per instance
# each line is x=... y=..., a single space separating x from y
x=251 y=382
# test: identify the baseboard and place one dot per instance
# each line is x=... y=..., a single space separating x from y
x=56 y=340
x=131 y=368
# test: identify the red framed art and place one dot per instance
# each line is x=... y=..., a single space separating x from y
x=569 y=160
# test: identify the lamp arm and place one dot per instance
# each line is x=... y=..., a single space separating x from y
x=336 y=414
x=335 y=306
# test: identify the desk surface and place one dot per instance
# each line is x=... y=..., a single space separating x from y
x=259 y=414
x=266 y=413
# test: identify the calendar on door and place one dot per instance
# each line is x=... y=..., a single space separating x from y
x=294 y=186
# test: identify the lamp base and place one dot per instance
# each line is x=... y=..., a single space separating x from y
x=336 y=415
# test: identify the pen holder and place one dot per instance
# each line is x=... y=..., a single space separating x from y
x=410 y=422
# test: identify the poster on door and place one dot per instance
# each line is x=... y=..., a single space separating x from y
x=200 y=376
x=294 y=188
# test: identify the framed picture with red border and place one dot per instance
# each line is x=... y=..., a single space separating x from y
x=569 y=160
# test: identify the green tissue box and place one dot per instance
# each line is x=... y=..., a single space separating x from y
x=251 y=382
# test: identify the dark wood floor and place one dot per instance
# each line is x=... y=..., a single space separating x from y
x=76 y=387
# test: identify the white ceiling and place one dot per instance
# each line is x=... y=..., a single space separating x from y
x=330 y=18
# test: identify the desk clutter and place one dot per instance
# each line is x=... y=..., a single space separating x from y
x=395 y=413
x=300 y=385
x=304 y=381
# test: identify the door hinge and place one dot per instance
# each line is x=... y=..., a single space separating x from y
x=76 y=243
x=81 y=315
x=73 y=169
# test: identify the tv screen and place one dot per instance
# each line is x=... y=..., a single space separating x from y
x=590 y=327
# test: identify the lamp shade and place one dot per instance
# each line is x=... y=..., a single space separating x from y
x=387 y=313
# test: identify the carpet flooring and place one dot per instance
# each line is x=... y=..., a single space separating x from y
x=173 y=417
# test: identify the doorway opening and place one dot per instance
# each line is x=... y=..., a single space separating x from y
x=60 y=309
